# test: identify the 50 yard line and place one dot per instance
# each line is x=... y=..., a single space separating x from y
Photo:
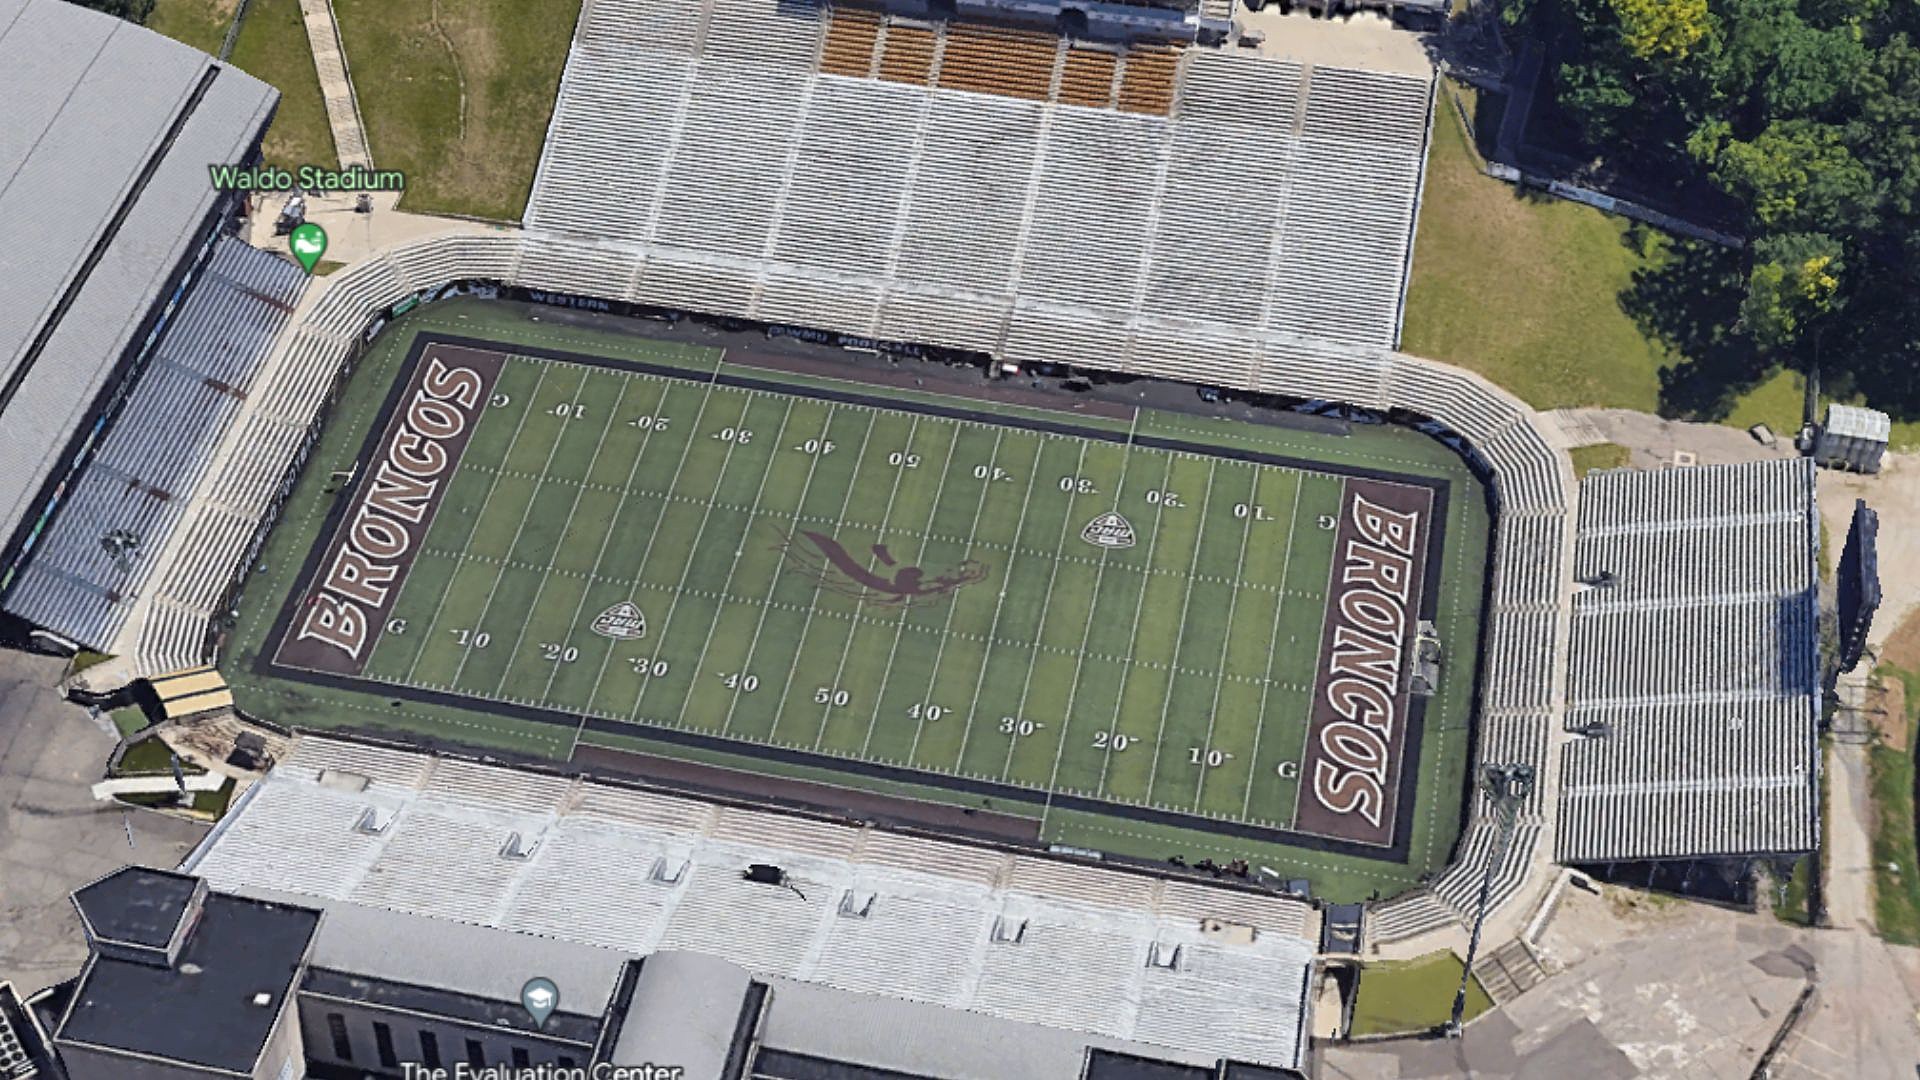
x=766 y=602
x=933 y=511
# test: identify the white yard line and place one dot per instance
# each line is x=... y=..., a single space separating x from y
x=1273 y=644
x=613 y=525
x=720 y=606
x=1086 y=634
x=920 y=556
x=1179 y=635
x=1133 y=636
x=813 y=599
x=559 y=544
x=1333 y=567
x=693 y=550
x=1040 y=627
x=940 y=650
x=986 y=660
x=518 y=426
x=1226 y=642
x=486 y=608
x=641 y=570
x=839 y=672
x=766 y=602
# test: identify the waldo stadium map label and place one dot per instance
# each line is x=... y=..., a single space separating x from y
x=354 y=584
x=1350 y=774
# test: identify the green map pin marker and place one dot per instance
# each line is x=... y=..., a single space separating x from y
x=309 y=242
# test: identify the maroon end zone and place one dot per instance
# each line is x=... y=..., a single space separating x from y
x=354 y=585
x=1350 y=773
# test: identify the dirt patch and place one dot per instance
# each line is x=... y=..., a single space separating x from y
x=857 y=805
x=1902 y=647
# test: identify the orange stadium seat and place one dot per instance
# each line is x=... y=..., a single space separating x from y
x=1087 y=78
x=907 y=56
x=995 y=60
x=1147 y=83
x=852 y=34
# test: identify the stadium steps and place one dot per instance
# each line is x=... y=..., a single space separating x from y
x=1509 y=971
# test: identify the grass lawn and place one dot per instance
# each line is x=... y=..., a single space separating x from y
x=1896 y=868
x=1776 y=402
x=199 y=23
x=152 y=757
x=458 y=95
x=1524 y=288
x=273 y=47
x=1139 y=675
x=129 y=719
x=1588 y=459
x=1412 y=995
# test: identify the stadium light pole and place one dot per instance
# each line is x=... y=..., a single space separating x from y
x=1507 y=786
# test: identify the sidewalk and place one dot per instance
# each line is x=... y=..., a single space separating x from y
x=330 y=62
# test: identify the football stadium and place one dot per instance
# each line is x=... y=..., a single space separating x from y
x=912 y=442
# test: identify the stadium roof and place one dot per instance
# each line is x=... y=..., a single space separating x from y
x=1012 y=937
x=103 y=190
x=1695 y=672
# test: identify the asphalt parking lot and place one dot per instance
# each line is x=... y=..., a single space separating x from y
x=54 y=837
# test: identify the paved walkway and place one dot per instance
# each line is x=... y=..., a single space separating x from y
x=54 y=837
x=343 y=111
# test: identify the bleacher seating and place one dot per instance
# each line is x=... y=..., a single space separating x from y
x=908 y=54
x=1147 y=77
x=1086 y=78
x=853 y=36
x=96 y=558
x=1693 y=677
x=965 y=193
x=996 y=60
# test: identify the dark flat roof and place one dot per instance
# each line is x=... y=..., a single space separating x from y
x=201 y=1011
x=136 y=905
x=499 y=1016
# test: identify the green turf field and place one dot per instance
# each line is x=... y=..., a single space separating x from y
x=955 y=623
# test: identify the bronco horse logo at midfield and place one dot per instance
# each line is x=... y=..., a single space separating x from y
x=840 y=571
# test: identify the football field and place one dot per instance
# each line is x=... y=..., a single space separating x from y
x=1085 y=614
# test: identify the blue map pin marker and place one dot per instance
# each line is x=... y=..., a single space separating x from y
x=540 y=997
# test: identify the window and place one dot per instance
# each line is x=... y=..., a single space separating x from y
x=429 y=1050
x=520 y=1058
x=342 y=1046
x=383 y=1044
x=476 y=1055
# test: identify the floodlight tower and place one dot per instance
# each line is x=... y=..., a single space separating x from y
x=1506 y=787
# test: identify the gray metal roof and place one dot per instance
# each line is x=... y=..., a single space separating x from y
x=97 y=207
x=1858 y=423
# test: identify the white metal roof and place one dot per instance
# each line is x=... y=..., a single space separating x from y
x=640 y=872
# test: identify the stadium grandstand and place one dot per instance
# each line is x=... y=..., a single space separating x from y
x=1125 y=961
x=1694 y=690
x=604 y=243
x=746 y=161
x=130 y=326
